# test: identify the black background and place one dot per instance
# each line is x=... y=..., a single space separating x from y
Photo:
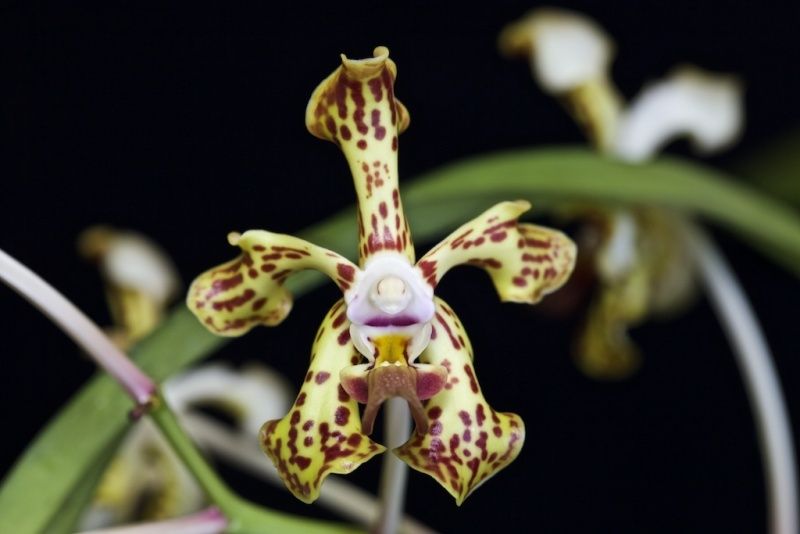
x=184 y=120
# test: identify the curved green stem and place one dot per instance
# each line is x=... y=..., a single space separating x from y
x=574 y=174
x=243 y=516
x=76 y=325
x=755 y=362
x=338 y=495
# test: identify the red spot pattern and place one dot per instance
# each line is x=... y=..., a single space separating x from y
x=446 y=326
x=344 y=337
x=234 y=302
x=340 y=319
x=224 y=284
x=480 y=415
x=380 y=131
x=342 y=415
x=321 y=377
x=345 y=271
x=428 y=269
x=473 y=384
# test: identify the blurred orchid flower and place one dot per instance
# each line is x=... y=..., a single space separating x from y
x=638 y=258
x=389 y=336
x=146 y=480
x=571 y=58
x=140 y=280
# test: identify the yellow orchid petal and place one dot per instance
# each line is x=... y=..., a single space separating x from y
x=643 y=270
x=355 y=107
x=467 y=441
x=135 y=314
x=321 y=434
x=604 y=349
x=525 y=261
x=236 y=296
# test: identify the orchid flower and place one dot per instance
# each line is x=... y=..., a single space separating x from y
x=389 y=336
x=639 y=258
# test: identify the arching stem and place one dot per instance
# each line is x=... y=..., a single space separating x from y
x=760 y=377
x=79 y=327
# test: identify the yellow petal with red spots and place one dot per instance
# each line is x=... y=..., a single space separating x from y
x=525 y=261
x=236 y=296
x=321 y=434
x=467 y=441
x=355 y=107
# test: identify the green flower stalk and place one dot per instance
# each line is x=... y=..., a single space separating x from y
x=389 y=336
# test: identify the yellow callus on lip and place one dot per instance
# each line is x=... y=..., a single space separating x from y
x=391 y=349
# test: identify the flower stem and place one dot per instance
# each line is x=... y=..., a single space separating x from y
x=79 y=327
x=208 y=521
x=243 y=516
x=761 y=380
x=343 y=498
x=162 y=416
x=394 y=473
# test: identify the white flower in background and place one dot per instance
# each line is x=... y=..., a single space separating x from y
x=571 y=57
x=639 y=260
x=705 y=107
x=140 y=279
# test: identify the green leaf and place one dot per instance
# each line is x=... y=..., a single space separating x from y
x=56 y=463
x=71 y=510
x=570 y=174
